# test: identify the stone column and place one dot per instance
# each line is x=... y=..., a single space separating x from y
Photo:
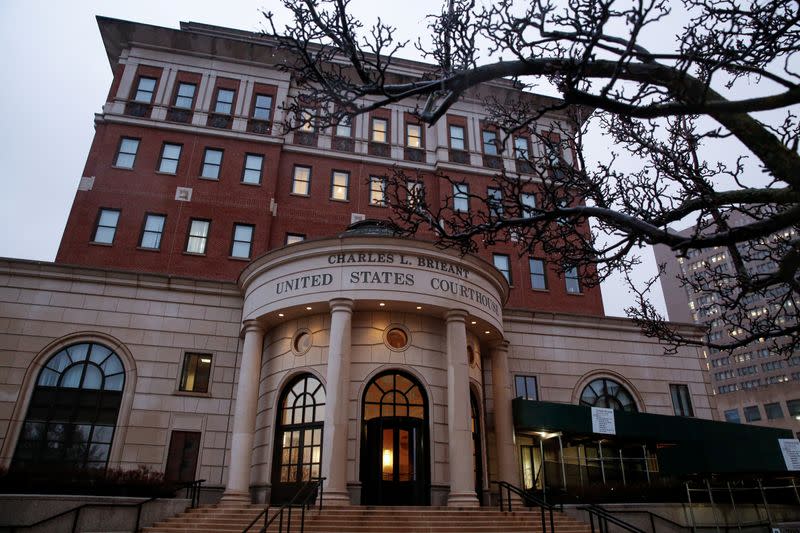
x=244 y=418
x=462 y=480
x=507 y=469
x=337 y=394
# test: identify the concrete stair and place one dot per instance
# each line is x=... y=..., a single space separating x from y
x=361 y=519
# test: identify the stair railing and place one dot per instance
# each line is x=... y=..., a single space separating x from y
x=527 y=498
x=302 y=499
x=604 y=517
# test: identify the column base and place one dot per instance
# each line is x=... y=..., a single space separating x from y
x=462 y=499
x=235 y=498
x=335 y=499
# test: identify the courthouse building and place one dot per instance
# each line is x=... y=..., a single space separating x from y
x=226 y=305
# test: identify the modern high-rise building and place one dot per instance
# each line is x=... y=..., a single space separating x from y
x=227 y=305
x=752 y=384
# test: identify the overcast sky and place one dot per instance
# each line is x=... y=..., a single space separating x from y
x=54 y=76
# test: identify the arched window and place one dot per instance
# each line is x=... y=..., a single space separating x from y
x=393 y=394
x=298 y=439
x=73 y=409
x=604 y=392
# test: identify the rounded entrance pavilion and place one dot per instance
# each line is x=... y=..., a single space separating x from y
x=363 y=362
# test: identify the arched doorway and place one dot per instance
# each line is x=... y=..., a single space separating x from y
x=73 y=410
x=298 y=436
x=477 y=448
x=395 y=459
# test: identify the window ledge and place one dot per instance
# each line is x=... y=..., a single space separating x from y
x=121 y=168
x=107 y=244
x=166 y=173
x=204 y=178
x=339 y=200
x=234 y=258
x=145 y=249
x=543 y=290
x=250 y=184
x=195 y=254
x=299 y=195
x=575 y=294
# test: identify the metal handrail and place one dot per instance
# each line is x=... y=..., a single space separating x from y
x=311 y=486
x=193 y=486
x=527 y=498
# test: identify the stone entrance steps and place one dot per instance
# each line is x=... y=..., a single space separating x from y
x=357 y=519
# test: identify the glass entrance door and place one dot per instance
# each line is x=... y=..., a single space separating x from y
x=395 y=473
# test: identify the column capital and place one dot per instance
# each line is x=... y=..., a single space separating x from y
x=456 y=315
x=499 y=345
x=252 y=326
x=341 y=304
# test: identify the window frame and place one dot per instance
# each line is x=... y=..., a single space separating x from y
x=120 y=152
x=295 y=181
x=346 y=186
x=162 y=159
x=185 y=368
x=234 y=241
x=494 y=199
x=217 y=101
x=189 y=236
x=506 y=273
x=463 y=137
x=383 y=181
x=527 y=207
x=97 y=225
x=461 y=194
x=135 y=96
x=178 y=95
x=572 y=274
x=681 y=399
x=246 y=169
x=526 y=378
x=205 y=163
x=410 y=125
x=145 y=231
x=727 y=414
x=771 y=406
x=345 y=121
x=748 y=413
x=526 y=149
x=372 y=130
x=494 y=143
x=256 y=107
x=537 y=275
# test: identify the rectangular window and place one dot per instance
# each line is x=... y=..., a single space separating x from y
x=457 y=138
x=538 y=276
x=503 y=264
x=198 y=236
x=380 y=130
x=292 y=238
x=126 y=155
x=732 y=415
x=490 y=142
x=224 y=102
x=253 y=164
x=773 y=411
x=196 y=372
x=494 y=198
x=301 y=180
x=751 y=413
x=793 y=406
x=106 y=226
x=681 y=401
x=416 y=194
x=307 y=120
x=572 y=280
x=184 y=98
x=242 y=240
x=377 y=191
x=460 y=197
x=212 y=163
x=413 y=135
x=344 y=128
x=152 y=231
x=525 y=387
x=521 y=149
x=340 y=185
x=170 y=155
x=145 y=90
x=262 y=109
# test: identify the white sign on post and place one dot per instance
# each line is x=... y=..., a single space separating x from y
x=603 y=421
x=791 y=453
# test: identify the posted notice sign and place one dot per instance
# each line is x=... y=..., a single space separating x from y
x=603 y=421
x=791 y=453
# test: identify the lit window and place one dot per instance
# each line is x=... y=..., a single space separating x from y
x=212 y=163
x=751 y=413
x=252 y=168
x=538 y=276
x=145 y=90
x=681 y=401
x=340 y=185
x=732 y=415
x=572 y=280
x=224 y=103
x=242 y=240
x=126 y=155
x=301 y=180
x=503 y=264
x=152 y=231
x=307 y=120
x=413 y=135
x=198 y=236
x=377 y=191
x=528 y=201
x=494 y=198
x=345 y=127
x=457 y=138
x=292 y=238
x=525 y=387
x=106 y=226
x=262 y=108
x=170 y=155
x=460 y=197
x=773 y=411
x=793 y=406
x=196 y=372
x=416 y=194
x=605 y=392
x=489 y=143
x=380 y=129
x=521 y=150
x=184 y=97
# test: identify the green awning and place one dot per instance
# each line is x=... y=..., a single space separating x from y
x=683 y=445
